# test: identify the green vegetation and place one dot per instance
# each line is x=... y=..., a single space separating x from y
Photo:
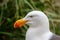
x=11 y=10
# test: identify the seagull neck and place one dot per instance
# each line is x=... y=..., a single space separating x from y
x=39 y=29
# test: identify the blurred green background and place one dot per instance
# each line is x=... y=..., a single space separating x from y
x=11 y=10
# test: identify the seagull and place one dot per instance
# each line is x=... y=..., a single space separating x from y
x=38 y=26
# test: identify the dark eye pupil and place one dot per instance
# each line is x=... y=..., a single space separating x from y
x=31 y=16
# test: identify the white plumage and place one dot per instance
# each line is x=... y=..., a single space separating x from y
x=38 y=27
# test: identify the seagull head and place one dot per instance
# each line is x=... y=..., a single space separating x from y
x=33 y=19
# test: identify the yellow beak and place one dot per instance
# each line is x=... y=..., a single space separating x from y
x=19 y=23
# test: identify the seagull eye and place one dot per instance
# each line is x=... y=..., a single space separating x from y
x=30 y=16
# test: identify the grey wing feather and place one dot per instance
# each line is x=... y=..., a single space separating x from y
x=55 y=37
